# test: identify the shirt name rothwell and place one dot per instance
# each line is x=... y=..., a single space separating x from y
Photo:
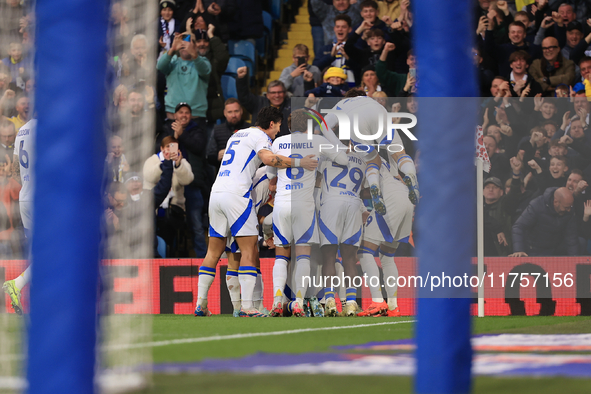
x=296 y=145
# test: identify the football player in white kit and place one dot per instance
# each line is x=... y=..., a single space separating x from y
x=386 y=232
x=231 y=210
x=262 y=191
x=371 y=119
x=294 y=214
x=340 y=222
x=381 y=226
x=22 y=166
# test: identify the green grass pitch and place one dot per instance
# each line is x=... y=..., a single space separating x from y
x=174 y=327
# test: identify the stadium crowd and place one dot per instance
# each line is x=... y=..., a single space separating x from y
x=534 y=68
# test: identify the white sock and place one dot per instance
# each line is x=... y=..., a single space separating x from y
x=248 y=277
x=206 y=277
x=259 y=290
x=390 y=278
x=341 y=290
x=372 y=173
x=233 y=287
x=302 y=270
x=279 y=277
x=370 y=268
x=24 y=278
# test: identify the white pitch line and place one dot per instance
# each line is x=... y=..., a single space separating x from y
x=249 y=335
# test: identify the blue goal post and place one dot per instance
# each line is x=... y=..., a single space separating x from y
x=443 y=38
x=70 y=64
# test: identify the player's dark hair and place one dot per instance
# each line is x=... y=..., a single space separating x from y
x=267 y=115
x=298 y=120
x=355 y=92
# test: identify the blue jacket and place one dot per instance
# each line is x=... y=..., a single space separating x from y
x=328 y=90
x=540 y=231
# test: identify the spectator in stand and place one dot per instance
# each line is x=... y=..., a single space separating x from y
x=247 y=22
x=530 y=27
x=389 y=8
x=276 y=97
x=499 y=18
x=553 y=69
x=12 y=11
x=361 y=58
x=575 y=44
x=220 y=13
x=392 y=82
x=518 y=198
x=502 y=52
x=193 y=145
x=7 y=137
x=317 y=32
x=574 y=180
x=18 y=66
x=369 y=13
x=9 y=192
x=576 y=139
x=222 y=132
x=187 y=78
x=497 y=223
x=116 y=162
x=485 y=75
x=212 y=48
x=333 y=54
x=135 y=68
x=499 y=163
x=168 y=25
x=547 y=227
x=293 y=75
x=327 y=14
x=22 y=112
x=334 y=84
x=369 y=81
x=544 y=110
x=382 y=98
x=171 y=215
x=554 y=176
x=522 y=84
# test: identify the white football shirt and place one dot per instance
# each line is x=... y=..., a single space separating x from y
x=241 y=161
x=24 y=150
x=297 y=184
x=342 y=182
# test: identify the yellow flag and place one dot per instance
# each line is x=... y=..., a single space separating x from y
x=519 y=4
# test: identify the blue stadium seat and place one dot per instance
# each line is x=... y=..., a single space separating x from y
x=261 y=45
x=243 y=49
x=161 y=247
x=234 y=64
x=276 y=6
x=268 y=21
x=229 y=86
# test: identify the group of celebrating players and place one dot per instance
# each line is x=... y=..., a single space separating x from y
x=318 y=211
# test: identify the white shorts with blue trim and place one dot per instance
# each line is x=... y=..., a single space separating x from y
x=26 y=209
x=340 y=222
x=231 y=214
x=396 y=225
x=294 y=224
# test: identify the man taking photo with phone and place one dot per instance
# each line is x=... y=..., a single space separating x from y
x=293 y=75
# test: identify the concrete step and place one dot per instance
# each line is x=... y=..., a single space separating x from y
x=302 y=18
x=299 y=35
x=300 y=27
